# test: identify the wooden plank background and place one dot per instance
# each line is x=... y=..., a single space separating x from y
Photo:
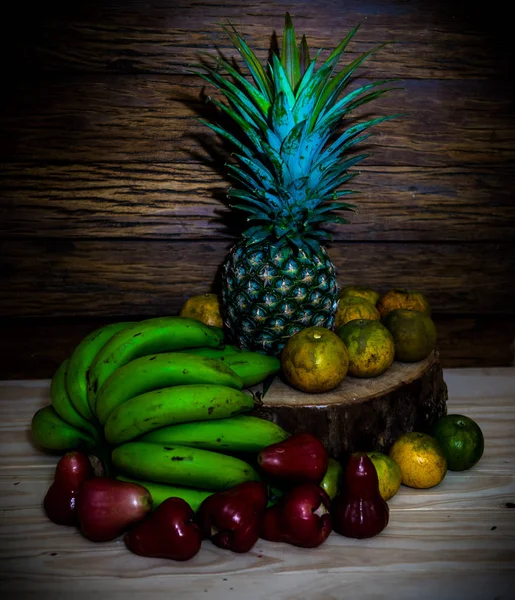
x=112 y=195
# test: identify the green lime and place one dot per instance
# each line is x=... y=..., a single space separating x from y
x=461 y=440
x=413 y=332
x=332 y=479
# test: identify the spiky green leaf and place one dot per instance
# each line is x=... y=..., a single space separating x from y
x=254 y=66
x=282 y=117
x=334 y=87
x=281 y=82
x=304 y=57
x=259 y=99
x=290 y=53
x=228 y=136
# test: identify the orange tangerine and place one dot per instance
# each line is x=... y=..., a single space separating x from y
x=359 y=291
x=420 y=458
x=370 y=345
x=314 y=360
x=402 y=298
x=203 y=307
x=351 y=308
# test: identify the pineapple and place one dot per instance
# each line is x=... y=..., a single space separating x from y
x=291 y=159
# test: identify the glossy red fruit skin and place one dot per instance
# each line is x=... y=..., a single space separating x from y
x=107 y=507
x=302 y=458
x=60 y=502
x=232 y=519
x=360 y=511
x=168 y=532
x=302 y=517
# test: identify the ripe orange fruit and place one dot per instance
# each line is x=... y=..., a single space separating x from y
x=413 y=332
x=388 y=473
x=314 y=360
x=420 y=458
x=370 y=345
x=402 y=298
x=351 y=308
x=461 y=440
x=359 y=291
x=205 y=308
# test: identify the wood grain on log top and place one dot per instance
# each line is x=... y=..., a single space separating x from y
x=352 y=390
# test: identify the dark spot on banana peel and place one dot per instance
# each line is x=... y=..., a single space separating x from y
x=185 y=371
x=218 y=440
x=152 y=358
x=210 y=410
x=136 y=335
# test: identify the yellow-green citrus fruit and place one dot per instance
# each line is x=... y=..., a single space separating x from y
x=370 y=345
x=403 y=298
x=420 y=458
x=414 y=334
x=314 y=360
x=205 y=308
x=332 y=479
x=388 y=473
x=359 y=291
x=351 y=308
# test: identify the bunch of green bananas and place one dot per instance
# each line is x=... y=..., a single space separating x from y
x=165 y=399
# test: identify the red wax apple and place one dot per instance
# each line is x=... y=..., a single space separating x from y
x=360 y=511
x=107 y=507
x=168 y=532
x=72 y=470
x=232 y=519
x=301 y=517
x=301 y=458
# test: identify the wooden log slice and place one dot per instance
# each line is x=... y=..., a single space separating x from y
x=362 y=414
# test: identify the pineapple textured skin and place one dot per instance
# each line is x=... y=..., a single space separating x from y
x=270 y=293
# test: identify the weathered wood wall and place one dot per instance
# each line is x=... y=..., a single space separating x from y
x=112 y=195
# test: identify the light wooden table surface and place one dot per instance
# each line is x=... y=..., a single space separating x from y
x=455 y=541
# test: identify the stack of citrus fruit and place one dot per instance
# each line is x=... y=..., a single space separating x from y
x=378 y=329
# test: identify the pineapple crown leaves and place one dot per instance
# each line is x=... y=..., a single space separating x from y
x=290 y=156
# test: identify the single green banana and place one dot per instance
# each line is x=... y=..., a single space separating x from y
x=151 y=336
x=80 y=363
x=252 y=367
x=242 y=433
x=171 y=405
x=52 y=433
x=160 y=492
x=62 y=403
x=157 y=371
x=178 y=465
x=220 y=352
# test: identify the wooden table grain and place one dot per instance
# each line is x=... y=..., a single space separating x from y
x=455 y=541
